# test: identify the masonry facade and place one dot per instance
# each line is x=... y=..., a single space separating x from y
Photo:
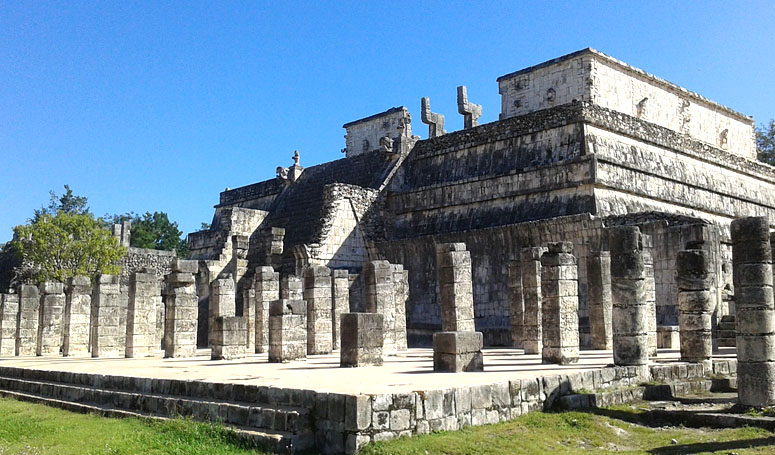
x=583 y=143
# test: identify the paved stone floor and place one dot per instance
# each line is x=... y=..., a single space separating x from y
x=409 y=370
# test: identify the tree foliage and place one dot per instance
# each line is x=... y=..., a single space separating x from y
x=68 y=203
x=156 y=231
x=57 y=247
x=765 y=142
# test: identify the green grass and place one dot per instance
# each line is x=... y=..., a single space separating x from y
x=580 y=433
x=27 y=428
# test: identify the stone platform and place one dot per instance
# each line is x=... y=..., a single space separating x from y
x=315 y=403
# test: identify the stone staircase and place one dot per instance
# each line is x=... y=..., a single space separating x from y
x=274 y=422
x=727 y=331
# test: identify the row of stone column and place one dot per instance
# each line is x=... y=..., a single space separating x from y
x=75 y=319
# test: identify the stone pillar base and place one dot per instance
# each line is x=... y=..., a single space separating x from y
x=287 y=330
x=455 y=352
x=362 y=339
x=229 y=335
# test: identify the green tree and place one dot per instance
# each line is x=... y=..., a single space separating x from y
x=57 y=247
x=68 y=203
x=765 y=142
x=156 y=231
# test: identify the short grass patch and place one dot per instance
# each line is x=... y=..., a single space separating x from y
x=577 y=433
x=28 y=428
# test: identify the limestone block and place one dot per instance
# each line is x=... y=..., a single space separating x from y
x=455 y=352
x=77 y=316
x=266 y=284
x=144 y=299
x=340 y=294
x=51 y=319
x=229 y=338
x=287 y=330
x=752 y=276
x=380 y=294
x=530 y=265
x=599 y=299
x=222 y=301
x=516 y=304
x=291 y=288
x=27 y=323
x=455 y=287
x=105 y=318
x=182 y=308
x=9 y=309
x=559 y=306
x=317 y=294
x=401 y=298
x=629 y=314
x=362 y=339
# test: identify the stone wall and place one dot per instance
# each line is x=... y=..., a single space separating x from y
x=364 y=135
x=137 y=259
x=594 y=77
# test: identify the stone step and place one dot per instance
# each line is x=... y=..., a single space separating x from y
x=260 y=417
x=727 y=334
x=728 y=318
x=277 y=441
x=727 y=325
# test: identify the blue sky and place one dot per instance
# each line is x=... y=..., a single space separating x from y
x=158 y=106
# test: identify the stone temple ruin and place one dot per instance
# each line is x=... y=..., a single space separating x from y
x=607 y=209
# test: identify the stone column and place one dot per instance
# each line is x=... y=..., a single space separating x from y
x=516 y=304
x=599 y=295
x=228 y=338
x=752 y=275
x=222 y=302
x=181 y=310
x=560 y=304
x=530 y=265
x=27 y=320
x=105 y=318
x=628 y=295
x=291 y=288
x=77 y=316
x=249 y=313
x=651 y=294
x=457 y=352
x=380 y=298
x=266 y=283
x=361 y=339
x=694 y=304
x=51 y=316
x=317 y=293
x=9 y=309
x=340 y=290
x=144 y=298
x=455 y=288
x=401 y=294
x=287 y=330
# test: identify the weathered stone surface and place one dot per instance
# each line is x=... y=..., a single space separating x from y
x=287 y=330
x=340 y=295
x=266 y=284
x=470 y=111
x=27 y=322
x=599 y=294
x=530 y=265
x=51 y=319
x=105 y=325
x=77 y=317
x=229 y=333
x=516 y=304
x=455 y=352
x=754 y=305
x=694 y=305
x=362 y=339
x=559 y=305
x=222 y=301
x=181 y=313
x=628 y=294
x=144 y=300
x=434 y=121
x=381 y=298
x=455 y=288
x=9 y=309
x=317 y=293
